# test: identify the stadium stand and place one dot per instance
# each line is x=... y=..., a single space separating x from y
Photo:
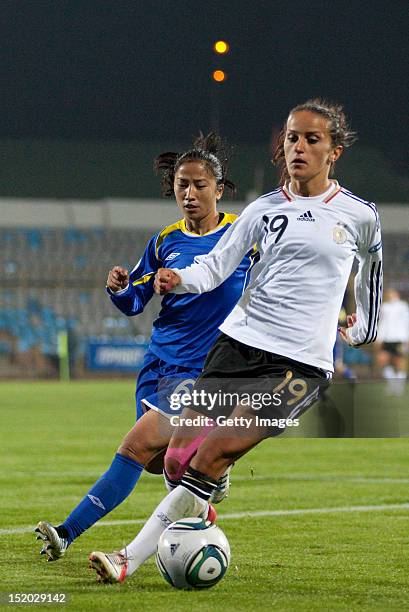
x=53 y=280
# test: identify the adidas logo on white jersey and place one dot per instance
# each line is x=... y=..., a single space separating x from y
x=307 y=216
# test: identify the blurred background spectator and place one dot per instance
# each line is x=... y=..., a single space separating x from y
x=393 y=341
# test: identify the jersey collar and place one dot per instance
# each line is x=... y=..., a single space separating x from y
x=226 y=218
x=329 y=194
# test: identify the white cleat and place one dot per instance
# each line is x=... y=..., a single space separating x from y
x=54 y=546
x=223 y=487
x=110 y=567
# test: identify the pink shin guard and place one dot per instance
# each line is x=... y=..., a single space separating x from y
x=184 y=455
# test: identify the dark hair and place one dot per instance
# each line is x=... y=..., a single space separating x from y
x=210 y=149
x=340 y=132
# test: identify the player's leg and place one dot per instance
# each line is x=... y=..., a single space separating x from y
x=385 y=364
x=399 y=364
x=185 y=442
x=179 y=454
x=139 y=446
x=293 y=389
x=175 y=382
x=113 y=567
x=148 y=436
x=226 y=360
x=175 y=379
x=187 y=499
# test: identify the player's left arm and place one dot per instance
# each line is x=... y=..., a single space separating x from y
x=210 y=270
x=363 y=325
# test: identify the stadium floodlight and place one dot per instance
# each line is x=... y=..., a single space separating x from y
x=221 y=47
x=219 y=76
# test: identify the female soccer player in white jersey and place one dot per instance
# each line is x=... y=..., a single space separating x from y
x=182 y=334
x=278 y=339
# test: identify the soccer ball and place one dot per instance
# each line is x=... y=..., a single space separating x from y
x=193 y=554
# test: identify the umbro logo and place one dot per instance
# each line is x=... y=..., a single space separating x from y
x=173 y=548
x=307 y=216
x=96 y=501
x=171 y=256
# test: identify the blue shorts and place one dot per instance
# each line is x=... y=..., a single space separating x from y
x=157 y=380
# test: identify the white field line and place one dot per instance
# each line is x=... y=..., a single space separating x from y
x=245 y=515
x=235 y=478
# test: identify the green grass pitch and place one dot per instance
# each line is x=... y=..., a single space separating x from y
x=57 y=439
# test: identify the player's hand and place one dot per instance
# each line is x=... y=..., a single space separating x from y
x=351 y=320
x=165 y=281
x=118 y=278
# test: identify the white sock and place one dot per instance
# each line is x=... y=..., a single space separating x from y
x=400 y=382
x=389 y=375
x=388 y=372
x=179 y=503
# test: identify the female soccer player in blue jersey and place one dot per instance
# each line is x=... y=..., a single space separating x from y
x=182 y=334
x=278 y=340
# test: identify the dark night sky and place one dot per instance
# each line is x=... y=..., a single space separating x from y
x=140 y=70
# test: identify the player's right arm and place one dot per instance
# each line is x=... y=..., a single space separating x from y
x=131 y=292
x=210 y=270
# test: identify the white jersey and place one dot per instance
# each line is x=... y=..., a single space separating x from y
x=394 y=322
x=307 y=246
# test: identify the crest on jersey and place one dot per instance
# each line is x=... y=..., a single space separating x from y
x=339 y=235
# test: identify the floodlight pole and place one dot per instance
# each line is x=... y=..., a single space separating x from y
x=215 y=107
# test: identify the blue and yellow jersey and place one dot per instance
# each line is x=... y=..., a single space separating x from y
x=187 y=324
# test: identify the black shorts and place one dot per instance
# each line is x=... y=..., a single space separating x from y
x=393 y=348
x=274 y=387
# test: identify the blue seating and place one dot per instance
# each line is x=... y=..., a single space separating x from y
x=53 y=280
x=34 y=239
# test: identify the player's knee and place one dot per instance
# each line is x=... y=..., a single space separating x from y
x=125 y=451
x=174 y=468
x=177 y=459
x=133 y=448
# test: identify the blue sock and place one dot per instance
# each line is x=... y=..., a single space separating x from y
x=107 y=493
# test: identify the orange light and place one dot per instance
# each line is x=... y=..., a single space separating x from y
x=221 y=47
x=219 y=76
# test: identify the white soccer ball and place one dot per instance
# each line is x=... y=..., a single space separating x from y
x=193 y=554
